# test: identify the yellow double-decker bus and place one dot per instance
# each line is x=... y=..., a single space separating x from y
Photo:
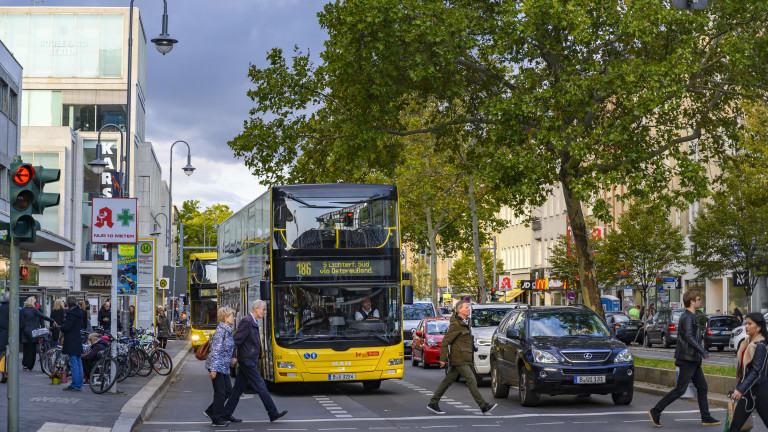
x=203 y=293
x=326 y=259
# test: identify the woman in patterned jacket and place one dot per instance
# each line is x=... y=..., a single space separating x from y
x=220 y=359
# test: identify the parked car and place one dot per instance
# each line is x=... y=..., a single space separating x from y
x=624 y=328
x=559 y=350
x=662 y=328
x=484 y=318
x=737 y=335
x=412 y=315
x=716 y=330
x=427 y=340
x=446 y=312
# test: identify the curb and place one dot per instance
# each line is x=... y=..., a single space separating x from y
x=141 y=405
x=713 y=399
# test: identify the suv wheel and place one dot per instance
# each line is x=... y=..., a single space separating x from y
x=622 y=398
x=665 y=341
x=528 y=397
x=499 y=389
x=647 y=341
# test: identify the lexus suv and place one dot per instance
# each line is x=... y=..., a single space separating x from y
x=556 y=350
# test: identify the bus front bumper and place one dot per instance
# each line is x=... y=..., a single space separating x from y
x=393 y=372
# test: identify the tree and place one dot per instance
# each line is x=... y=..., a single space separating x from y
x=587 y=94
x=420 y=276
x=193 y=219
x=645 y=247
x=563 y=262
x=462 y=276
x=730 y=233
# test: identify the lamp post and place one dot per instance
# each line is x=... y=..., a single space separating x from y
x=188 y=170
x=204 y=225
x=164 y=44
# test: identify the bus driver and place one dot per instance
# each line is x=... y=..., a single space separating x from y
x=367 y=313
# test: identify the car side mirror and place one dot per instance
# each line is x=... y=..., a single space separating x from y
x=418 y=333
x=513 y=334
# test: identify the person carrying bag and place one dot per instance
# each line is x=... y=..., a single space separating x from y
x=752 y=374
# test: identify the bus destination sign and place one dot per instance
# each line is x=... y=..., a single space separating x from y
x=336 y=268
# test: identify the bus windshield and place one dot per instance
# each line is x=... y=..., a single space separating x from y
x=335 y=223
x=203 y=293
x=353 y=315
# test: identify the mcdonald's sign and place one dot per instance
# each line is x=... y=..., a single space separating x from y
x=541 y=284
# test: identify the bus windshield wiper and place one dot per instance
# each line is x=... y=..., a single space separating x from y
x=301 y=339
x=301 y=201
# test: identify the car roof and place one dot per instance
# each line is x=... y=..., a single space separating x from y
x=437 y=318
x=493 y=305
x=559 y=309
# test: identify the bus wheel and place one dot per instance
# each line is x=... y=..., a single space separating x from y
x=372 y=385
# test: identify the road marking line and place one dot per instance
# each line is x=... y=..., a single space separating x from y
x=456 y=403
x=548 y=423
x=339 y=412
x=590 y=422
x=693 y=419
x=332 y=429
x=434 y=427
x=486 y=425
x=635 y=421
x=287 y=429
x=344 y=415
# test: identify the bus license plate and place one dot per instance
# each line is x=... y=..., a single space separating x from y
x=334 y=377
x=595 y=379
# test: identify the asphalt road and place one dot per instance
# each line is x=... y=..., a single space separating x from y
x=401 y=404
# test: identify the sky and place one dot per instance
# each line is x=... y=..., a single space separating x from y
x=197 y=92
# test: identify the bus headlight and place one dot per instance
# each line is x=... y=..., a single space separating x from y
x=395 y=361
x=195 y=337
x=286 y=365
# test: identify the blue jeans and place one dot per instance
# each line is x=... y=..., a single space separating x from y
x=248 y=373
x=76 y=367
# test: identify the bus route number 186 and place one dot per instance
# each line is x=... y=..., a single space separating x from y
x=304 y=268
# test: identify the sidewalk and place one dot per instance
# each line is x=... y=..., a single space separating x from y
x=46 y=408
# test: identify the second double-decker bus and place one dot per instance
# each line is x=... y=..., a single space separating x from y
x=326 y=259
x=203 y=293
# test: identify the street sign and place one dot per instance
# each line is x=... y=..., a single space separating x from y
x=526 y=284
x=555 y=284
x=628 y=291
x=164 y=283
x=740 y=279
x=113 y=220
x=669 y=279
x=571 y=296
x=505 y=283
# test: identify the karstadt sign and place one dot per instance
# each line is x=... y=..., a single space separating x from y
x=113 y=220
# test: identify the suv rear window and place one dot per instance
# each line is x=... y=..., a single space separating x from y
x=729 y=322
x=418 y=311
x=559 y=324
x=437 y=328
x=676 y=316
x=488 y=317
x=620 y=318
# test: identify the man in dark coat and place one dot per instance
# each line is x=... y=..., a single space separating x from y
x=458 y=341
x=248 y=345
x=5 y=318
x=688 y=357
x=105 y=316
x=72 y=346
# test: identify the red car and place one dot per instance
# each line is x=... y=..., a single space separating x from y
x=427 y=340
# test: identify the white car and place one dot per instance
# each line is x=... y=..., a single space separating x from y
x=737 y=335
x=484 y=318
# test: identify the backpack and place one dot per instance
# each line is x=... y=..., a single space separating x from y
x=201 y=353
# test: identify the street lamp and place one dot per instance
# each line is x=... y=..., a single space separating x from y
x=164 y=44
x=99 y=165
x=156 y=233
x=188 y=170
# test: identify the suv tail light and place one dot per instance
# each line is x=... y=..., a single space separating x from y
x=709 y=332
x=672 y=327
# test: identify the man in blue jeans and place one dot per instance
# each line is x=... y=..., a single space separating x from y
x=73 y=347
x=248 y=346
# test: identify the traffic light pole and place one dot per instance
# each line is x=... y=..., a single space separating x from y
x=113 y=314
x=12 y=357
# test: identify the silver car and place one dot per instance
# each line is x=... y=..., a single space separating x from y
x=484 y=318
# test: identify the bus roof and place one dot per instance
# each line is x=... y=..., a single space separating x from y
x=341 y=190
x=203 y=255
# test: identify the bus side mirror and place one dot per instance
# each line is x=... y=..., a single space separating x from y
x=264 y=290
x=407 y=294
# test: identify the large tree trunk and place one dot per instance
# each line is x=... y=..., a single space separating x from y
x=476 y=243
x=432 y=235
x=585 y=259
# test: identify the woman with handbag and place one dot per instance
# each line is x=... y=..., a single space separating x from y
x=220 y=358
x=31 y=319
x=752 y=373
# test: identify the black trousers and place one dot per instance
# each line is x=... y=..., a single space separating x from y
x=222 y=388
x=688 y=374
x=249 y=374
x=163 y=341
x=29 y=352
x=740 y=414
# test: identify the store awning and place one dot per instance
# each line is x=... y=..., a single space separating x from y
x=511 y=295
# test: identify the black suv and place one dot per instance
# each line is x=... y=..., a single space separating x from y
x=716 y=330
x=559 y=350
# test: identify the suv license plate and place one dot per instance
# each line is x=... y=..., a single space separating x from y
x=593 y=379
x=334 y=377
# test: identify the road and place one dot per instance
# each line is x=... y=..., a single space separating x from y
x=724 y=358
x=400 y=404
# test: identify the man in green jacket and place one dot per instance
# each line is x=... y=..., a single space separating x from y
x=458 y=346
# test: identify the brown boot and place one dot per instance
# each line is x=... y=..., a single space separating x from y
x=4 y=379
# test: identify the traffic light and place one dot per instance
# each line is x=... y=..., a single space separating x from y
x=42 y=177
x=493 y=294
x=23 y=226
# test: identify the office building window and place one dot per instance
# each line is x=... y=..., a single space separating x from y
x=41 y=108
x=92 y=117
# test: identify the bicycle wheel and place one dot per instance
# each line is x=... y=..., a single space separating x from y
x=42 y=348
x=135 y=359
x=101 y=379
x=123 y=367
x=48 y=360
x=145 y=367
x=162 y=362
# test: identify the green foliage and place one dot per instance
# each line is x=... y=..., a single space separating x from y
x=563 y=262
x=462 y=277
x=730 y=233
x=588 y=94
x=421 y=277
x=193 y=220
x=645 y=247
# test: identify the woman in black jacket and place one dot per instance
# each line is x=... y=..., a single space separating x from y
x=31 y=319
x=58 y=315
x=752 y=373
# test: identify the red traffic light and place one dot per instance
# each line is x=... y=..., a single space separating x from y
x=23 y=175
